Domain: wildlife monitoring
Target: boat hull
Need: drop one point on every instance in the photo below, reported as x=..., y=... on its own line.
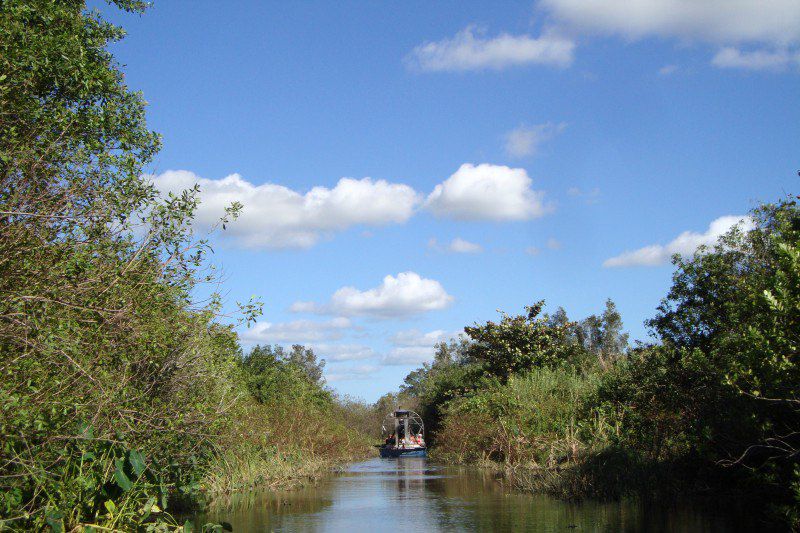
x=403, y=452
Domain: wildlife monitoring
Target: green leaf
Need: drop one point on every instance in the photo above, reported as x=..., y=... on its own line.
x=136, y=460
x=120, y=477
x=86, y=431
x=110, y=507
x=149, y=507
x=188, y=527
x=164, y=500
x=54, y=519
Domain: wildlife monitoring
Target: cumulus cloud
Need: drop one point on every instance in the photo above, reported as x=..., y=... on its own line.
x=730, y=57
x=470, y=50
x=525, y=140
x=412, y=347
x=461, y=246
x=302, y=331
x=404, y=295
x=590, y=197
x=685, y=244
x=776, y=22
x=337, y=353
x=553, y=243
x=668, y=70
x=487, y=192
x=414, y=337
x=352, y=373
x=408, y=355
x=457, y=246
x=275, y=216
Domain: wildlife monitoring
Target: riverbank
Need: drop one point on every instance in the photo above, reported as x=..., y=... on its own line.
x=247, y=468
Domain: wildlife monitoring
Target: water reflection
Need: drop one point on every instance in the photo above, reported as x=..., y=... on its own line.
x=413, y=495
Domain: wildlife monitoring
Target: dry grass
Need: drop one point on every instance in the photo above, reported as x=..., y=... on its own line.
x=280, y=446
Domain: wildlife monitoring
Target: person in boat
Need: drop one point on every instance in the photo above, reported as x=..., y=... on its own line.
x=391, y=440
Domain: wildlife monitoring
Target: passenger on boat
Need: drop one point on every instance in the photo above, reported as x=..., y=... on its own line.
x=391, y=440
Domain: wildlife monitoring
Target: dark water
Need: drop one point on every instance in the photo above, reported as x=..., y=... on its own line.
x=411, y=495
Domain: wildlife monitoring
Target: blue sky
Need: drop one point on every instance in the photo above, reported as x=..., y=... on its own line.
x=556, y=150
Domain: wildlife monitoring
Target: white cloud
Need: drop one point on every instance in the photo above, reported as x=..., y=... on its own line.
x=275, y=216
x=590, y=197
x=776, y=22
x=457, y=246
x=414, y=337
x=730, y=57
x=685, y=244
x=553, y=244
x=352, y=373
x=337, y=353
x=408, y=355
x=413, y=347
x=460, y=246
x=302, y=331
x=487, y=192
x=304, y=307
x=525, y=140
x=470, y=50
x=405, y=295
x=668, y=70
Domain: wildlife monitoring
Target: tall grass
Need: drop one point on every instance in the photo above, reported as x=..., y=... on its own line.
x=533, y=420
x=279, y=445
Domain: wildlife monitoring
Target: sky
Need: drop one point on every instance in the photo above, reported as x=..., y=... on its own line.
x=408, y=169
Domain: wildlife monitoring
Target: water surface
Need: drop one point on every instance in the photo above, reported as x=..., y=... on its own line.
x=412, y=495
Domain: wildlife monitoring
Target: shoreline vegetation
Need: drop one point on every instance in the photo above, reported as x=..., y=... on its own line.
x=708, y=410
x=126, y=397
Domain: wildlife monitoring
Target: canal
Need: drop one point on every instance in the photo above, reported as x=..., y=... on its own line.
x=412, y=495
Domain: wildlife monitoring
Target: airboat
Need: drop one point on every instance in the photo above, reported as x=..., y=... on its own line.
x=404, y=435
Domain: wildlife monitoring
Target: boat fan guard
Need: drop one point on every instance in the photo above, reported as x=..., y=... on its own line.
x=403, y=422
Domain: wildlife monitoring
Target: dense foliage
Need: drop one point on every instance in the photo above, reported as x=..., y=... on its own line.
x=274, y=376
x=715, y=401
x=119, y=395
